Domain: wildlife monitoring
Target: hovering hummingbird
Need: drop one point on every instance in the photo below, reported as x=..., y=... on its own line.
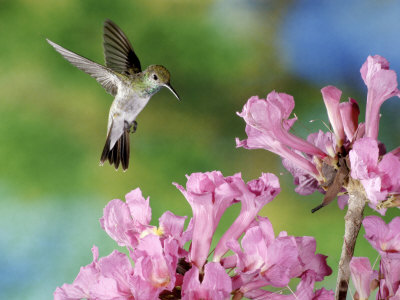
x=123, y=78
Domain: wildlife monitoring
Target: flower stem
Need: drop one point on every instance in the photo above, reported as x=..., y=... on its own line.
x=353, y=221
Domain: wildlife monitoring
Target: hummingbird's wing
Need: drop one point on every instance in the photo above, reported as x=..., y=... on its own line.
x=118, y=51
x=105, y=76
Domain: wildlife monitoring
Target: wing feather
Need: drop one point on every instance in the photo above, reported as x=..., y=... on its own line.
x=118, y=51
x=105, y=76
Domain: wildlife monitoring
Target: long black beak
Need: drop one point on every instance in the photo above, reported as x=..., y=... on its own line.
x=168, y=86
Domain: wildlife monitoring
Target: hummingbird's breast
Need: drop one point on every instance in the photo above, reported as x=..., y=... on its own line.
x=128, y=103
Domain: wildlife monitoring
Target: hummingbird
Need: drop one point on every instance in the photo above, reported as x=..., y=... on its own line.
x=123, y=78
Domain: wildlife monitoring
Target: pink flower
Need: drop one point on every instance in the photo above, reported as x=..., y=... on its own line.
x=172, y=226
x=316, y=163
x=385, y=238
x=107, y=278
x=304, y=291
x=115, y=274
x=265, y=260
x=257, y=139
x=124, y=222
x=269, y=260
x=209, y=194
x=309, y=260
x=364, y=158
x=379, y=178
x=269, y=125
x=81, y=287
x=389, y=285
x=325, y=141
x=382, y=85
x=163, y=269
x=362, y=276
x=254, y=195
x=307, y=184
x=216, y=284
x=155, y=265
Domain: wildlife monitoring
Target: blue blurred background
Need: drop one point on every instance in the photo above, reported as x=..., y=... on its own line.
x=220, y=52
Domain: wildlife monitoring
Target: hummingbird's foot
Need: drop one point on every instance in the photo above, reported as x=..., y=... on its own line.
x=134, y=126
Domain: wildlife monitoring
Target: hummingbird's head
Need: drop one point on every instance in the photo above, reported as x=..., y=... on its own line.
x=157, y=77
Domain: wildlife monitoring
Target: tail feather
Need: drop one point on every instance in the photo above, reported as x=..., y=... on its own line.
x=125, y=150
x=119, y=154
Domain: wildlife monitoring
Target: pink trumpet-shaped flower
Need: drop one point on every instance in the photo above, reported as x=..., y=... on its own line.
x=125, y=221
x=107, y=278
x=307, y=184
x=81, y=287
x=265, y=260
x=155, y=264
x=379, y=178
x=209, y=195
x=269, y=260
x=254, y=195
x=257, y=139
x=309, y=260
x=385, y=238
x=163, y=269
x=362, y=276
x=389, y=285
x=270, y=118
x=216, y=284
x=268, y=126
x=316, y=163
x=382, y=85
x=172, y=226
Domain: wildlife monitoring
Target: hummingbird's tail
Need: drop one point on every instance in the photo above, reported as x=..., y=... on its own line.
x=119, y=153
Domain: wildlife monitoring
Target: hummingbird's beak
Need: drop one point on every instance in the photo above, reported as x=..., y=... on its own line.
x=168, y=86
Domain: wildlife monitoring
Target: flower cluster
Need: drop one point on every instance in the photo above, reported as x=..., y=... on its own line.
x=385, y=238
x=164, y=268
x=323, y=162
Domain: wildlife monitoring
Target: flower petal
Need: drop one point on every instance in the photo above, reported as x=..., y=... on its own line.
x=362, y=275
x=349, y=112
x=254, y=196
x=382, y=85
x=216, y=284
x=139, y=206
x=331, y=96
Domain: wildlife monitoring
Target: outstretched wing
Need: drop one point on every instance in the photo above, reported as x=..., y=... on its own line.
x=118, y=51
x=106, y=77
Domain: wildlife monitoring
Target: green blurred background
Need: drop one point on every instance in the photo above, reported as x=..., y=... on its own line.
x=53, y=117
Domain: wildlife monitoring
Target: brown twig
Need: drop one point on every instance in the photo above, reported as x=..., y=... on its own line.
x=353, y=221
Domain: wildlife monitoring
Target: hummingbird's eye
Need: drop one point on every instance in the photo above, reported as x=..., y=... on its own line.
x=155, y=77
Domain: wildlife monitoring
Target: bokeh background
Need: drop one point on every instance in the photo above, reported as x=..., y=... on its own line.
x=53, y=116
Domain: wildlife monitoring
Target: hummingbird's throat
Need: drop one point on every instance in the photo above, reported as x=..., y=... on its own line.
x=150, y=91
